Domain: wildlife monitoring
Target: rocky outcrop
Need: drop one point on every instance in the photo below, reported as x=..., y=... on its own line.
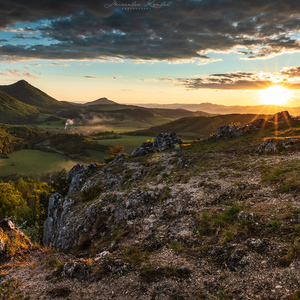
x=258, y=124
x=78, y=269
x=67, y=226
x=161, y=142
x=281, y=117
x=226, y=132
x=77, y=175
x=74, y=171
x=273, y=146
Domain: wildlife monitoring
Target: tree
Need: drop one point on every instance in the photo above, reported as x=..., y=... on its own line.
x=11, y=201
x=116, y=150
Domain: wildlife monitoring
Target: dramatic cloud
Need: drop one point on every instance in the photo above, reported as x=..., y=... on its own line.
x=288, y=77
x=151, y=30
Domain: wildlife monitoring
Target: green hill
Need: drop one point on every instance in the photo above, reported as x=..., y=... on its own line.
x=200, y=127
x=28, y=94
x=13, y=111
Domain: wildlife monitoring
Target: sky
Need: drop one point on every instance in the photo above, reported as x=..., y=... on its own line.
x=153, y=51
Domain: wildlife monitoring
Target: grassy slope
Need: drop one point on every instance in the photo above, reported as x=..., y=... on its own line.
x=34, y=162
x=14, y=111
x=200, y=127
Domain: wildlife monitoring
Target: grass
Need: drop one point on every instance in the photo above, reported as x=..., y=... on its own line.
x=8, y=290
x=200, y=127
x=210, y=222
x=134, y=256
x=14, y=243
x=33, y=163
x=286, y=174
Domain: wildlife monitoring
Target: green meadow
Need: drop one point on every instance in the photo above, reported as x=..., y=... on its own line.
x=34, y=163
x=130, y=142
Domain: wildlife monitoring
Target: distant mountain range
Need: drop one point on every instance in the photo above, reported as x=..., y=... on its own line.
x=224, y=109
x=22, y=103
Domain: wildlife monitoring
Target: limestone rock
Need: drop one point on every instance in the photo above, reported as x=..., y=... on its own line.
x=74, y=171
x=76, y=269
x=78, y=176
x=274, y=146
x=225, y=132
x=268, y=146
x=245, y=216
x=161, y=142
x=165, y=141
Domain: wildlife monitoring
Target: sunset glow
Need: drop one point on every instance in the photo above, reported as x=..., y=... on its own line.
x=276, y=94
x=161, y=52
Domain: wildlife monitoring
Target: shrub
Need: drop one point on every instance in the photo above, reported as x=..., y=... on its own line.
x=91, y=193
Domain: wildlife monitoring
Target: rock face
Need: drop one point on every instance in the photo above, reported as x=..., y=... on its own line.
x=77, y=175
x=161, y=142
x=66, y=227
x=74, y=171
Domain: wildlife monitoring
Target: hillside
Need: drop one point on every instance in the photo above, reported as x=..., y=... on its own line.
x=13, y=111
x=178, y=113
x=28, y=94
x=200, y=127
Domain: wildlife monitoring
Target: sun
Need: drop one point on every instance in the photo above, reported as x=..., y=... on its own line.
x=276, y=95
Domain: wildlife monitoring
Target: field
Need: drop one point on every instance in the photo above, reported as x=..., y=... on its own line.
x=130, y=142
x=34, y=162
